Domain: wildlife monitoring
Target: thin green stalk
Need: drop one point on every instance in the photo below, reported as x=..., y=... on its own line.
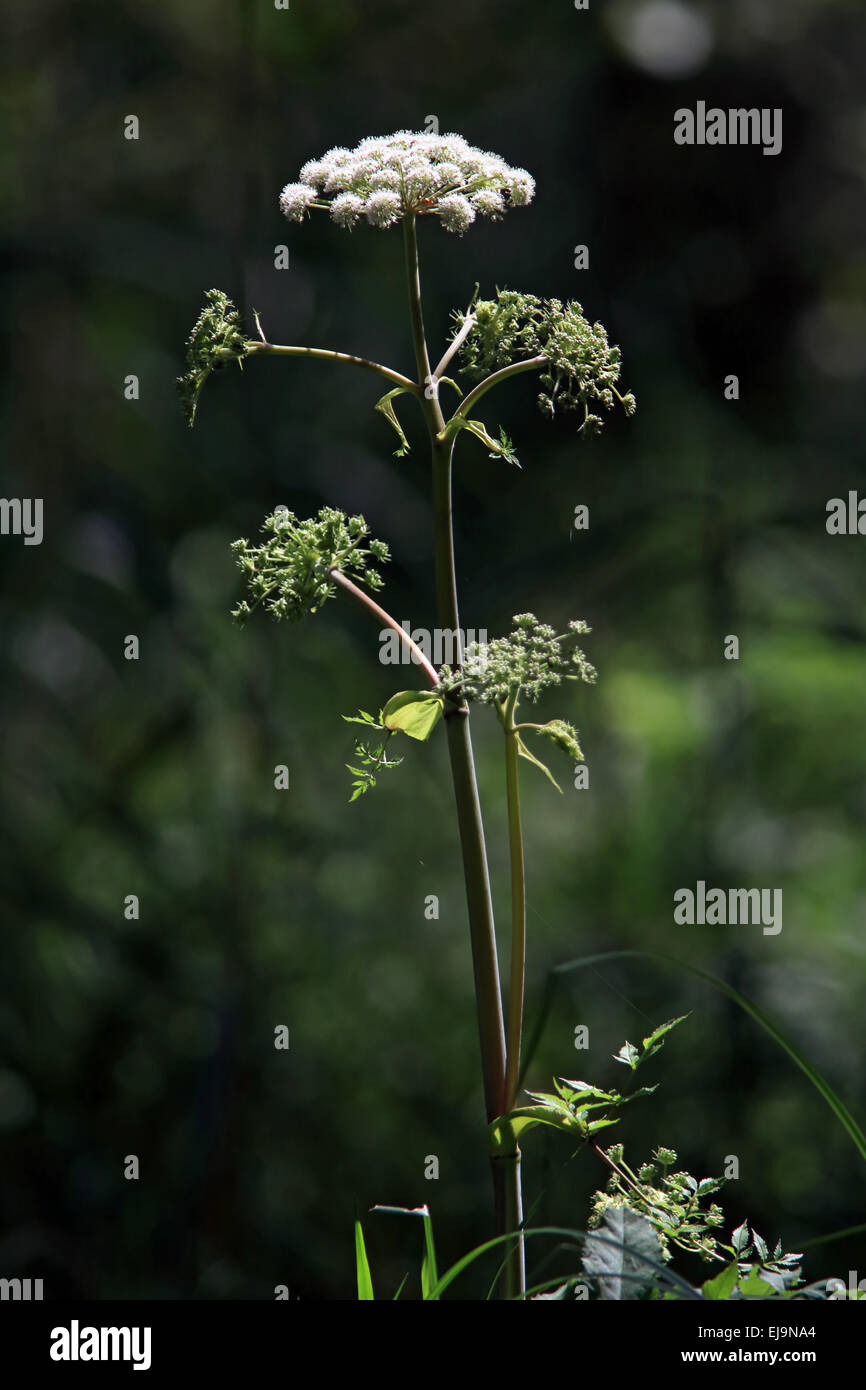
x=515, y=1267
x=488, y=995
x=518, y=905
x=253, y=347
x=529, y=364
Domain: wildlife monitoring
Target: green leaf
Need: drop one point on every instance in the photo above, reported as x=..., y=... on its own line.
x=524, y=752
x=760, y=1246
x=362, y=717
x=840, y=1110
x=686, y=1290
x=753, y=1286
x=654, y=1042
x=621, y=1255
x=400, y=1288
x=584, y=1089
x=498, y=448
x=429, y=1275
x=600, y=1124
x=362, y=1266
x=385, y=408
x=740, y=1238
x=641, y=1091
x=628, y=1055
x=413, y=712
x=724, y=1284
x=505, y=1132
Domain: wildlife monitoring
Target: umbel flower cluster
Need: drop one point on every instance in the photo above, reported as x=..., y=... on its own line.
x=386, y=178
x=582, y=367
x=532, y=658
x=290, y=572
x=217, y=337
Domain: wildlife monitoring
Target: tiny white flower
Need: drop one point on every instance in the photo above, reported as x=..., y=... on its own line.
x=295, y=199
x=346, y=209
x=449, y=175
x=314, y=172
x=385, y=178
x=488, y=201
x=521, y=188
x=383, y=208
x=455, y=212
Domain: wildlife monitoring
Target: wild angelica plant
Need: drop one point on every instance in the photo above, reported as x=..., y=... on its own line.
x=394, y=181
x=636, y=1225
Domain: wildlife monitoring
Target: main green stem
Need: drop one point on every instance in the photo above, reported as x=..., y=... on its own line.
x=518, y=905
x=488, y=996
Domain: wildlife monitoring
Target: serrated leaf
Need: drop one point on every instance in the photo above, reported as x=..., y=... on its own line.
x=740, y=1238
x=385, y=408
x=524, y=752
x=620, y=1255
x=557, y=1103
x=585, y=1089
x=362, y=717
x=653, y=1042
x=628, y=1055
x=599, y=1124
x=641, y=1091
x=760, y=1246
x=413, y=712
x=498, y=448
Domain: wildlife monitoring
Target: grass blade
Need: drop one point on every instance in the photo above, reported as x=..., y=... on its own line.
x=362, y=1266
x=429, y=1274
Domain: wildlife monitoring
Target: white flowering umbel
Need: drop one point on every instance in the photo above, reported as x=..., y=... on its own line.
x=389, y=177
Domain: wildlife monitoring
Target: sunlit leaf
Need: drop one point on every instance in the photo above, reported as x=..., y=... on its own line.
x=362, y=1266
x=413, y=712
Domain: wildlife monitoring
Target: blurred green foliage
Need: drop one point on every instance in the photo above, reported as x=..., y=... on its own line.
x=155, y=777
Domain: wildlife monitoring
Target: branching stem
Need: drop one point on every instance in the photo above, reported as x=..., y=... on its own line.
x=528, y=364
x=386, y=620
x=254, y=348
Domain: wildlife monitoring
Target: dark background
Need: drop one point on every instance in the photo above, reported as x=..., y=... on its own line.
x=707, y=517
